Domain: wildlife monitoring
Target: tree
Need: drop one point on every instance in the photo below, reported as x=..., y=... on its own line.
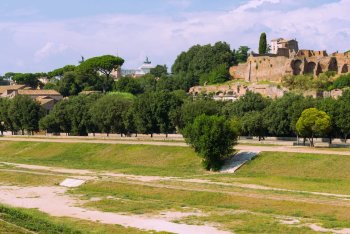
x=25, y=113
x=263, y=44
x=278, y=115
x=247, y=103
x=332, y=108
x=5, y=121
x=128, y=85
x=218, y=75
x=165, y=103
x=312, y=123
x=192, y=109
x=145, y=117
x=107, y=113
x=105, y=65
x=59, y=72
x=252, y=124
x=68, y=86
x=242, y=54
x=199, y=60
x=213, y=138
x=29, y=79
x=159, y=71
x=58, y=120
x=343, y=117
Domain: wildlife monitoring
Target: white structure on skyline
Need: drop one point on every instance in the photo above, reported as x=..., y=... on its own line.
x=144, y=69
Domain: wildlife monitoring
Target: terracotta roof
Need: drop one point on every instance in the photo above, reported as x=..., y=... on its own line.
x=3, y=88
x=40, y=92
x=43, y=100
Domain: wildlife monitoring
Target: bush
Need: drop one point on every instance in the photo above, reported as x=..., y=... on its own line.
x=213, y=138
x=342, y=82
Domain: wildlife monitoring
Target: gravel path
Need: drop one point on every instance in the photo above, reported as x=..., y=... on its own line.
x=54, y=201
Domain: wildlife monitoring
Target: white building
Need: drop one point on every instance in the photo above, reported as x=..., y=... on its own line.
x=144, y=69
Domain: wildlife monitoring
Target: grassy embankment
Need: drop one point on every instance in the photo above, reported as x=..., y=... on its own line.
x=322, y=173
x=26, y=221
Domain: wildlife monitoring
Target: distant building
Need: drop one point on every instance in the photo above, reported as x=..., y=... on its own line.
x=144, y=69
x=46, y=98
x=280, y=43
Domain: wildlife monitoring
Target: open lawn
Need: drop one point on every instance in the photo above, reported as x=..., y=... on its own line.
x=216, y=197
x=132, y=159
x=297, y=171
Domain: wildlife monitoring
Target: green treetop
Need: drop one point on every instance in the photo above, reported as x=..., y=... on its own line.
x=263, y=44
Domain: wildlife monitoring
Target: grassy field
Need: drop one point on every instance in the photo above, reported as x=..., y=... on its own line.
x=14, y=220
x=132, y=159
x=239, y=209
x=297, y=171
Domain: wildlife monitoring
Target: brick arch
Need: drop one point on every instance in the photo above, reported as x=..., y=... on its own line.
x=310, y=68
x=297, y=67
x=333, y=65
x=345, y=68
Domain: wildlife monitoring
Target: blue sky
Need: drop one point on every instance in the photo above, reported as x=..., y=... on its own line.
x=40, y=35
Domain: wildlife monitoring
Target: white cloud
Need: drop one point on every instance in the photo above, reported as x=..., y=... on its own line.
x=162, y=38
x=253, y=4
x=49, y=49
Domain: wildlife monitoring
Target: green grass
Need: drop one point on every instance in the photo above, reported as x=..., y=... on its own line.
x=176, y=199
x=20, y=220
x=12, y=229
x=28, y=179
x=297, y=171
x=133, y=159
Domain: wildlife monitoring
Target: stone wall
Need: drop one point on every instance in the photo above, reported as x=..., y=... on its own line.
x=274, y=68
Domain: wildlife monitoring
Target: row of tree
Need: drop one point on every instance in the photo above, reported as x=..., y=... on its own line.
x=169, y=112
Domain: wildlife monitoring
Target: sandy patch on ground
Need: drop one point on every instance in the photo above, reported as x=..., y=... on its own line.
x=54, y=201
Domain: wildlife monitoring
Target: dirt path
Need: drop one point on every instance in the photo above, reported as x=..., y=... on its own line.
x=54, y=201
x=292, y=149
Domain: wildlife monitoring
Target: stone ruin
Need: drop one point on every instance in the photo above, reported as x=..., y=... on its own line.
x=287, y=59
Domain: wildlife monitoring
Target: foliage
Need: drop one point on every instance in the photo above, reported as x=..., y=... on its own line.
x=281, y=115
x=312, y=123
x=59, y=72
x=199, y=60
x=24, y=114
x=107, y=113
x=213, y=138
x=298, y=82
x=252, y=124
x=129, y=85
x=242, y=54
x=159, y=71
x=343, y=118
x=247, y=103
x=342, y=82
x=104, y=65
x=68, y=85
x=194, y=108
x=50, y=85
x=218, y=75
x=308, y=82
x=29, y=79
x=263, y=44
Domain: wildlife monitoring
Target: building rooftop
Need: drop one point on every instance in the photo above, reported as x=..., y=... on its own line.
x=4, y=88
x=39, y=92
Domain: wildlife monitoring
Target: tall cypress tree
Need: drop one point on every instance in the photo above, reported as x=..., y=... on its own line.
x=262, y=44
